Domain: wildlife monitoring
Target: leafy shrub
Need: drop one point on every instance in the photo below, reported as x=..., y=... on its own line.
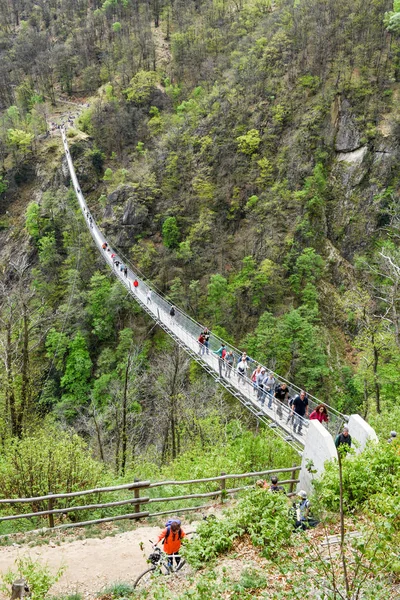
x=49, y=461
x=375, y=471
x=170, y=233
x=261, y=515
x=249, y=142
x=38, y=577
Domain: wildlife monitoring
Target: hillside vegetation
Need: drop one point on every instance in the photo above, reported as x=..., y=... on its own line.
x=244, y=155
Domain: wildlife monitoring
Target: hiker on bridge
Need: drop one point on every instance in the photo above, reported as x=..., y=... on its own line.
x=206, y=333
x=241, y=370
x=320, y=414
x=229, y=360
x=201, y=339
x=260, y=386
x=269, y=386
x=221, y=353
x=254, y=377
x=299, y=411
x=282, y=396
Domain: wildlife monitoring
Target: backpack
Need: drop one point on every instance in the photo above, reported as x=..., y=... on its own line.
x=168, y=526
x=223, y=354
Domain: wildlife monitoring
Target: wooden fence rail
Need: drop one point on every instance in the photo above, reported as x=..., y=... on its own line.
x=137, y=500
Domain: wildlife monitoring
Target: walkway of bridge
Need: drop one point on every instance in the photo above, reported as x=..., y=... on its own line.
x=185, y=331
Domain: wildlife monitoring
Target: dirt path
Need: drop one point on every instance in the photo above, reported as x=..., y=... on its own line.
x=92, y=564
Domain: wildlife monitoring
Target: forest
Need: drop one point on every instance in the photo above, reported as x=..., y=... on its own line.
x=244, y=156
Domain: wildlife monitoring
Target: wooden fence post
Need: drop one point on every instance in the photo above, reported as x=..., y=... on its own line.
x=50, y=506
x=136, y=493
x=291, y=486
x=222, y=487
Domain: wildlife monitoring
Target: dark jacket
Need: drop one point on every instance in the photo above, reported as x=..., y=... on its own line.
x=342, y=439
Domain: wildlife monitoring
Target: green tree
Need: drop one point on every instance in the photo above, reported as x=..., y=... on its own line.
x=76, y=379
x=249, y=142
x=3, y=185
x=141, y=87
x=99, y=308
x=171, y=233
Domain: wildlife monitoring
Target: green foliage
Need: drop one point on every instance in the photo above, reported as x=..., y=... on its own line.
x=141, y=87
x=47, y=251
x=97, y=157
x=249, y=143
x=85, y=121
x=78, y=367
x=171, y=233
x=261, y=515
x=59, y=461
x=300, y=354
x=38, y=576
x=3, y=184
x=19, y=139
x=393, y=25
x=118, y=590
x=366, y=475
x=108, y=174
x=33, y=221
x=99, y=306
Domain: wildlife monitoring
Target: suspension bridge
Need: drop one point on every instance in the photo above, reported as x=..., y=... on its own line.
x=185, y=332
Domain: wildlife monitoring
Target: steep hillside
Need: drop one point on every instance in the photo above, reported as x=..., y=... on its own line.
x=245, y=156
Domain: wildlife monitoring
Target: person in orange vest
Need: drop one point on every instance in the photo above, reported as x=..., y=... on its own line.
x=171, y=537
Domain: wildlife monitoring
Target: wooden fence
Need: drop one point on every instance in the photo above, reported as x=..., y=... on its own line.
x=49, y=501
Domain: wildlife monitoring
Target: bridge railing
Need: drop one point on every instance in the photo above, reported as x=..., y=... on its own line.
x=185, y=326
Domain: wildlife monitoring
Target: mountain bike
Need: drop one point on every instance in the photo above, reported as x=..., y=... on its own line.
x=161, y=564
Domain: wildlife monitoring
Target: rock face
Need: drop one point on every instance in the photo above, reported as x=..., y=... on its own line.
x=348, y=137
x=125, y=214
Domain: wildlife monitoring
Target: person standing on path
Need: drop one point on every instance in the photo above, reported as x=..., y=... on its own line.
x=171, y=537
x=135, y=285
x=148, y=297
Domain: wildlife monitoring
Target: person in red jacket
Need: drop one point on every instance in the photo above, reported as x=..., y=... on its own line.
x=172, y=536
x=320, y=413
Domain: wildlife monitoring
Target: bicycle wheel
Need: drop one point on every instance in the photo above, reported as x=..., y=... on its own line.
x=144, y=578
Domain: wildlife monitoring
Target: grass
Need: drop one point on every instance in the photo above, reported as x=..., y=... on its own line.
x=117, y=590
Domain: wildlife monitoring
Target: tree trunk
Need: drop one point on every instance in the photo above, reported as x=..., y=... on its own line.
x=24, y=371
x=124, y=436
x=376, y=381
x=342, y=529
x=10, y=396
